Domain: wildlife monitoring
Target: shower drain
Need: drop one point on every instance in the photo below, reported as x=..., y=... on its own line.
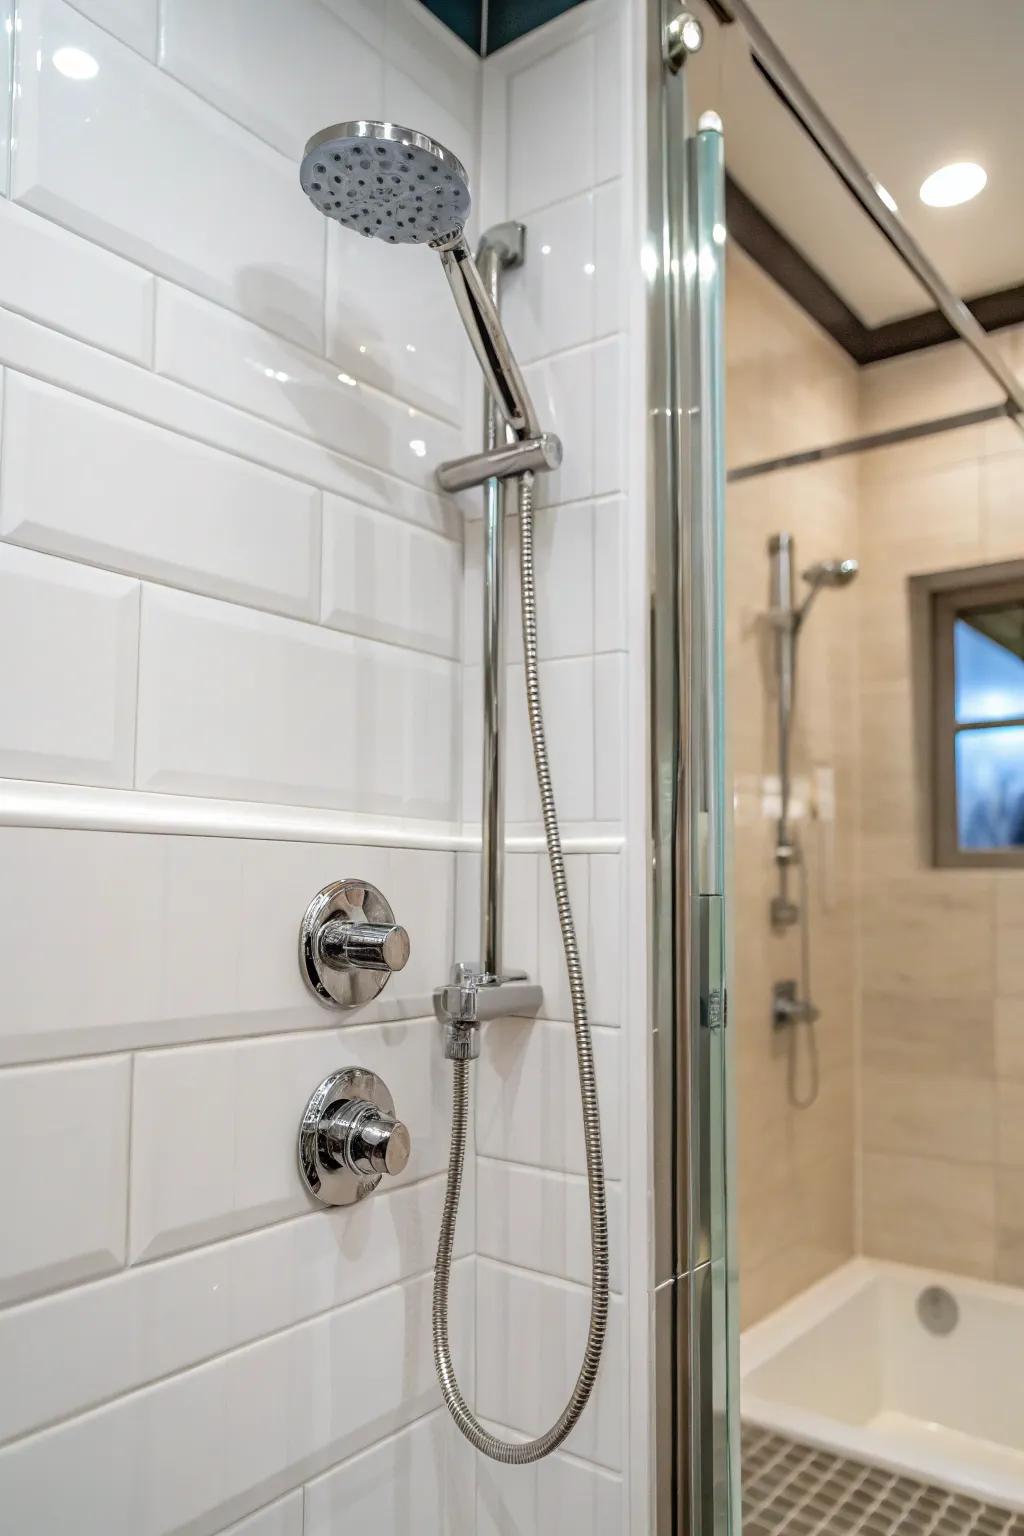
x=791, y=1489
x=937, y=1310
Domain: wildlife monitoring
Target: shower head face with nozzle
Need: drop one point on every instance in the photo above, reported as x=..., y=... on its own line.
x=831, y=573
x=386, y=182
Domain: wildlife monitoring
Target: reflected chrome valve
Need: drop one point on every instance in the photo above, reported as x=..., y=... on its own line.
x=350, y=1138
x=349, y=943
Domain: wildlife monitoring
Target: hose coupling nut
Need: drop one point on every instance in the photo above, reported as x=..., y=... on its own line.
x=461, y=1042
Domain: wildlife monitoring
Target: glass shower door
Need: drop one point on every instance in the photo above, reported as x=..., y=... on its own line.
x=694, y=1296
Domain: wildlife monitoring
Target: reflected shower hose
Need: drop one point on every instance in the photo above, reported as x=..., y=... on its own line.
x=522, y=1452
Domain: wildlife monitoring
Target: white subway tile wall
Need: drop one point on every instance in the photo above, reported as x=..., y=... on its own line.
x=226, y=573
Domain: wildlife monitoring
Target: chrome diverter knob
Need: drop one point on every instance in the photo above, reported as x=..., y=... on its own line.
x=349, y=943
x=350, y=1138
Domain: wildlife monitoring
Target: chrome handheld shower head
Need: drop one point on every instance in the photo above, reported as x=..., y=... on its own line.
x=390, y=183
x=825, y=573
x=386, y=182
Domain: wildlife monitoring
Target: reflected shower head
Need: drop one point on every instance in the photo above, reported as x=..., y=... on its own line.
x=387, y=182
x=831, y=573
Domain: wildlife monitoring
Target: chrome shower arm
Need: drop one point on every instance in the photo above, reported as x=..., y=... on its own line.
x=487, y=335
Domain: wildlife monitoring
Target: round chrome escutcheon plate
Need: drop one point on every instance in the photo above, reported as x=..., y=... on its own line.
x=354, y=901
x=326, y=1181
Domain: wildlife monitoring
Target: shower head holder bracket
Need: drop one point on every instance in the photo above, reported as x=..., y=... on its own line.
x=471, y=998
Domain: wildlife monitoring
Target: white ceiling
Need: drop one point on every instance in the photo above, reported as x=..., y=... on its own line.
x=911, y=85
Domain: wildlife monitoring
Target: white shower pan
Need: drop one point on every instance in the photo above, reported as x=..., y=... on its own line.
x=849, y=1365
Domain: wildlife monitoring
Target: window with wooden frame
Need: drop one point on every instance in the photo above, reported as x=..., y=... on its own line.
x=977, y=655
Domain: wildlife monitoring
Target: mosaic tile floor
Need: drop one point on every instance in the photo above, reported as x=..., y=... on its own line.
x=796, y=1490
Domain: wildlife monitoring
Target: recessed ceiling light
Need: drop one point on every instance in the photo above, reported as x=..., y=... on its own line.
x=953, y=184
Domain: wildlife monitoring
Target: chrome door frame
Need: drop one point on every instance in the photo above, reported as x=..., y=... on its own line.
x=693, y=1323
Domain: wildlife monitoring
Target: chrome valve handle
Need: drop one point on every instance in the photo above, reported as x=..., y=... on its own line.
x=350, y=1138
x=349, y=944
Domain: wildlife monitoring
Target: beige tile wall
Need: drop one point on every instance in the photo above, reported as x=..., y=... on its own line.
x=942, y=951
x=789, y=387
x=914, y=1149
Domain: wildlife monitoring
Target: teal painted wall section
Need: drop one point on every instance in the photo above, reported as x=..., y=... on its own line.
x=509, y=19
x=506, y=19
x=464, y=18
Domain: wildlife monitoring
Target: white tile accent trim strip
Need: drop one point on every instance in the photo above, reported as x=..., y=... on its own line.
x=25, y=803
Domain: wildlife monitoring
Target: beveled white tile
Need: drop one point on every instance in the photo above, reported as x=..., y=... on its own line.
x=60, y=360
x=251, y=706
x=611, y=46
x=527, y=1365
x=94, y=484
x=364, y=16
x=553, y=976
x=574, y=1496
x=564, y=580
x=472, y=744
x=411, y=98
x=568, y=702
x=527, y=1096
x=247, y=1426
x=519, y=930
x=117, y=158
x=67, y=282
x=467, y=904
x=551, y=127
x=210, y=349
x=472, y=592
x=604, y=938
x=540, y=1220
x=92, y=1343
x=71, y=1226
x=446, y=70
x=194, y=937
x=578, y=395
x=390, y=581
x=284, y=74
x=282, y=1518
x=550, y=302
x=394, y=1489
x=133, y=21
x=237, y=1168
x=6, y=85
x=610, y=574
x=609, y=258
x=609, y=736
x=74, y=632
x=563, y=393
x=391, y=323
x=609, y=417
x=506, y=1498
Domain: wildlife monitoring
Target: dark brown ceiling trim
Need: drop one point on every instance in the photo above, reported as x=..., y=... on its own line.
x=762, y=240
x=765, y=243
x=993, y=311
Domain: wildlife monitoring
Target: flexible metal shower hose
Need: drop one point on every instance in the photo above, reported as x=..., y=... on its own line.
x=522, y=1452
